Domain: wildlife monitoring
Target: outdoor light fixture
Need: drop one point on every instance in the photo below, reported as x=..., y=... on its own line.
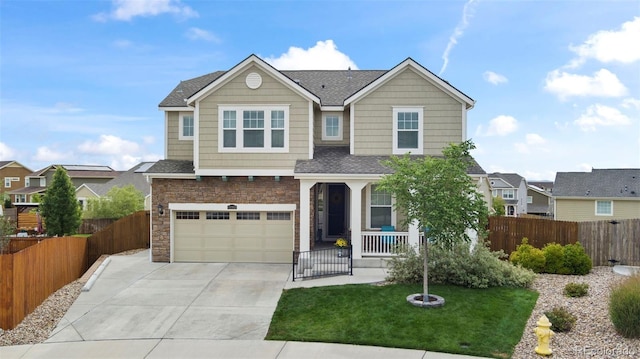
x=160, y=209
x=250, y=178
x=276, y=178
x=224, y=178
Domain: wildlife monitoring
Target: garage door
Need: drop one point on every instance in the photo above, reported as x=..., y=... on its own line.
x=219, y=236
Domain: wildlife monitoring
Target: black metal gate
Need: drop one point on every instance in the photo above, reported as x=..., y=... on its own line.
x=322, y=263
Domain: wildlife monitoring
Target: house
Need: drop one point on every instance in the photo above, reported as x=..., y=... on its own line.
x=539, y=200
x=13, y=175
x=134, y=176
x=513, y=189
x=602, y=194
x=37, y=182
x=261, y=162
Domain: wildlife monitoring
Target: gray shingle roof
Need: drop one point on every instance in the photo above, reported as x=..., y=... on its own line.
x=337, y=160
x=130, y=177
x=511, y=178
x=623, y=182
x=188, y=88
x=172, y=166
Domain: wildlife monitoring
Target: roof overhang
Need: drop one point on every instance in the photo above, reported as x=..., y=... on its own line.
x=175, y=108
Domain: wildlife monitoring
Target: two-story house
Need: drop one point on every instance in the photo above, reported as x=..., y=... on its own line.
x=602, y=194
x=261, y=162
x=513, y=189
x=540, y=198
x=134, y=176
x=13, y=175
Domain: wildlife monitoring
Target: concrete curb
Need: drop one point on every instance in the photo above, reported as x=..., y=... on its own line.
x=95, y=275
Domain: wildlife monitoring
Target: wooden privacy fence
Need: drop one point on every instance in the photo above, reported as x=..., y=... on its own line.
x=17, y=244
x=93, y=225
x=130, y=232
x=28, y=277
x=605, y=240
x=507, y=232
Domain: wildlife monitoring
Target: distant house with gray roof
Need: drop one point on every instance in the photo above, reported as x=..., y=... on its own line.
x=512, y=188
x=602, y=194
x=134, y=176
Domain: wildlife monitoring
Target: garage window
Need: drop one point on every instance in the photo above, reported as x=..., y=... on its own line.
x=187, y=215
x=218, y=215
x=278, y=216
x=249, y=216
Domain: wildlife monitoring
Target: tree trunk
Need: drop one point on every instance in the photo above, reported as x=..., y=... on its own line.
x=425, y=280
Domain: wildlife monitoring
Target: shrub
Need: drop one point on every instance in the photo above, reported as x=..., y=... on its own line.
x=576, y=289
x=624, y=307
x=554, y=258
x=477, y=268
x=561, y=319
x=576, y=261
x=528, y=256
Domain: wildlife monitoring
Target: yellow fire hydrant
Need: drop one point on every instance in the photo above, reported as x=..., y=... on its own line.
x=544, y=334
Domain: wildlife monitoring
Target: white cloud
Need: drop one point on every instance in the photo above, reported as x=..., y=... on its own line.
x=148, y=140
x=632, y=103
x=125, y=10
x=195, y=33
x=467, y=14
x=603, y=83
x=584, y=167
x=534, y=139
x=46, y=154
x=532, y=143
x=600, y=115
x=123, y=44
x=499, y=126
x=109, y=145
x=6, y=153
x=323, y=56
x=611, y=46
x=494, y=78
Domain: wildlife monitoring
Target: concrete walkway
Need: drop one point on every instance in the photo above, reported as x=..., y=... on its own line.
x=139, y=309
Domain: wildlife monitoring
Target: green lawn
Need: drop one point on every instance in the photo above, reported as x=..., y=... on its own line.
x=481, y=322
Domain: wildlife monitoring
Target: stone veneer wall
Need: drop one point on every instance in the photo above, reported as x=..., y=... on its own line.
x=236, y=190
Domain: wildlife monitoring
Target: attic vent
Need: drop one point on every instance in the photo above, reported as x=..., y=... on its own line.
x=253, y=80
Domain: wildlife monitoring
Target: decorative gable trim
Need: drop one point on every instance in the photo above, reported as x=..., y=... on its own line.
x=426, y=74
x=84, y=185
x=251, y=60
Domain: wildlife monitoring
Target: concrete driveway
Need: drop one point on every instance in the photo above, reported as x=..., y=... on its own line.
x=136, y=299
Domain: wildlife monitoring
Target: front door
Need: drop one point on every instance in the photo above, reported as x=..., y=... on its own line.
x=336, y=210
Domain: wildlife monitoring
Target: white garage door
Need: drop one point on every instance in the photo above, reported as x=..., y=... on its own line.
x=219, y=236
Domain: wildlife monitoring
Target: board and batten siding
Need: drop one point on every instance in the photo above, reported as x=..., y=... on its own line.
x=318, y=118
x=177, y=149
x=374, y=115
x=236, y=92
x=582, y=210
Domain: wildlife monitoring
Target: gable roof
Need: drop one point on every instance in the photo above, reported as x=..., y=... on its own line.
x=80, y=171
x=4, y=164
x=134, y=176
x=599, y=183
x=326, y=87
x=513, y=179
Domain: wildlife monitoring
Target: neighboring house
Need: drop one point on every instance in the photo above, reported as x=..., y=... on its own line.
x=513, y=189
x=539, y=201
x=602, y=194
x=37, y=182
x=134, y=176
x=261, y=162
x=13, y=175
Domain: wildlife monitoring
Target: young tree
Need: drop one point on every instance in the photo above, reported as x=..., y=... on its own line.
x=498, y=206
x=7, y=228
x=438, y=195
x=117, y=203
x=60, y=208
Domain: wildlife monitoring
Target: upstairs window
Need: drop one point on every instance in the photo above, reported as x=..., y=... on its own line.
x=259, y=129
x=604, y=208
x=408, y=130
x=332, y=127
x=508, y=194
x=186, y=126
x=27, y=182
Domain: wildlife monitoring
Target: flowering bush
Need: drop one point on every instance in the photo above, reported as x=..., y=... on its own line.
x=341, y=243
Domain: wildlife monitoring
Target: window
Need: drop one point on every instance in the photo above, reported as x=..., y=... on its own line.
x=186, y=126
x=494, y=193
x=43, y=182
x=529, y=199
x=604, y=208
x=21, y=198
x=380, y=208
x=248, y=216
x=511, y=211
x=253, y=129
x=278, y=216
x=8, y=180
x=332, y=127
x=187, y=215
x=508, y=194
x=26, y=181
x=218, y=215
x=407, y=130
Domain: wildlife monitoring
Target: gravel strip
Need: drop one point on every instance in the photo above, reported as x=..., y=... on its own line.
x=593, y=335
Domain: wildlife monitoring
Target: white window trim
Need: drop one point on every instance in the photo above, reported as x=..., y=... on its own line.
x=415, y=151
x=507, y=190
x=368, y=219
x=603, y=214
x=27, y=181
x=239, y=129
x=181, y=135
x=529, y=199
x=8, y=181
x=324, y=127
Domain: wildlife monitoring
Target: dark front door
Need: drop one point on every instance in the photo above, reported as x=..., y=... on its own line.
x=336, y=209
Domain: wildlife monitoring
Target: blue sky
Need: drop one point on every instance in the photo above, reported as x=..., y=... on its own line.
x=556, y=83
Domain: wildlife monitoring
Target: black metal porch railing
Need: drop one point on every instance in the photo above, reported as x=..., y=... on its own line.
x=322, y=263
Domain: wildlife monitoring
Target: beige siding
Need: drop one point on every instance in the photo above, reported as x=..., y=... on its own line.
x=318, y=117
x=373, y=115
x=272, y=92
x=581, y=210
x=85, y=193
x=177, y=149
